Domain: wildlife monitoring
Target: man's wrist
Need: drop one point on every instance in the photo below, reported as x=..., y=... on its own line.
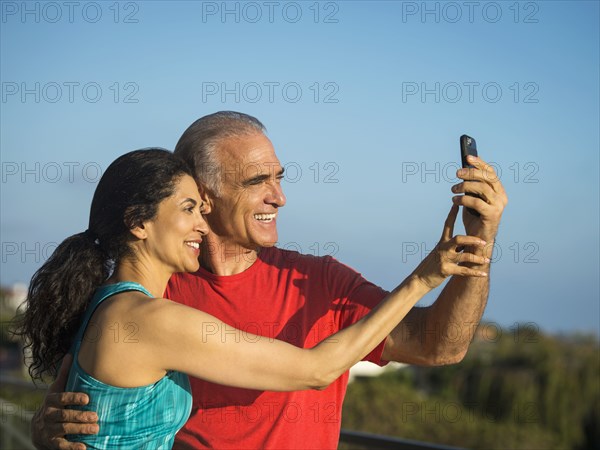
x=486, y=251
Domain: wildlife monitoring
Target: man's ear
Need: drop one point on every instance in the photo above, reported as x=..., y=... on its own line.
x=206, y=198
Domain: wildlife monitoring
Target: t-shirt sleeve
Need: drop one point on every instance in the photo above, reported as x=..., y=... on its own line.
x=173, y=288
x=355, y=297
x=180, y=289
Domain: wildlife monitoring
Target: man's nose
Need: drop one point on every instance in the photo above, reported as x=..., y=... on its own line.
x=202, y=226
x=276, y=196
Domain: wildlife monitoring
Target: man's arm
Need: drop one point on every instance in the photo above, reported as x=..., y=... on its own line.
x=52, y=422
x=441, y=333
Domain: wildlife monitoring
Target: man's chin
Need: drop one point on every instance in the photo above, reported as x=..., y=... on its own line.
x=268, y=241
x=264, y=236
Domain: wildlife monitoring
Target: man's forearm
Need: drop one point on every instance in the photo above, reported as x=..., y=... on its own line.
x=460, y=306
x=455, y=315
x=441, y=333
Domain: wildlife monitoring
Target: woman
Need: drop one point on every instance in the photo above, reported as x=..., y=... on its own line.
x=131, y=347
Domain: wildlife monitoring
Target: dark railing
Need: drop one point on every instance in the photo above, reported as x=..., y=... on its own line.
x=15, y=429
x=379, y=442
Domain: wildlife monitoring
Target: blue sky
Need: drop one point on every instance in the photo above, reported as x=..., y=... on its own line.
x=364, y=102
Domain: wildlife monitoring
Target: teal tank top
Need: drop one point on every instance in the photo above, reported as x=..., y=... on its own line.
x=145, y=417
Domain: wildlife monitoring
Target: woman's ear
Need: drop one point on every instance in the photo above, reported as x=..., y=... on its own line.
x=139, y=231
x=135, y=227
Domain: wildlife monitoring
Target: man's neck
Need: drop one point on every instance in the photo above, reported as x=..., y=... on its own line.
x=225, y=259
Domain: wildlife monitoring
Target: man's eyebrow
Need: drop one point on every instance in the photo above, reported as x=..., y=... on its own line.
x=256, y=179
x=263, y=177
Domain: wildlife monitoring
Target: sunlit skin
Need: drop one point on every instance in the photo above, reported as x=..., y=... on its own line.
x=165, y=244
x=483, y=181
x=251, y=186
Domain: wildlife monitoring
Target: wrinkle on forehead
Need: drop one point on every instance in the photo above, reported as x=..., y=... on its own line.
x=248, y=156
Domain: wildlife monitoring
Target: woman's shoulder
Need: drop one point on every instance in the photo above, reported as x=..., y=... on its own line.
x=132, y=304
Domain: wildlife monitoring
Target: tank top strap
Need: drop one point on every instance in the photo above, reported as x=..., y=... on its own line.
x=101, y=294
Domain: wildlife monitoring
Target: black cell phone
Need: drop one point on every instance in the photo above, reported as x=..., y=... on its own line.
x=468, y=146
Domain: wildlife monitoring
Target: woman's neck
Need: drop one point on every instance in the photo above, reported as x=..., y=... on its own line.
x=154, y=281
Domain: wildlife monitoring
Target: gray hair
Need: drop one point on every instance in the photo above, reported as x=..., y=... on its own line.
x=198, y=144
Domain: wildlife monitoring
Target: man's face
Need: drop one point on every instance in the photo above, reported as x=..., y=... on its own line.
x=245, y=213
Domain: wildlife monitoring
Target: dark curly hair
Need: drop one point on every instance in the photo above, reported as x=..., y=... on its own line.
x=127, y=195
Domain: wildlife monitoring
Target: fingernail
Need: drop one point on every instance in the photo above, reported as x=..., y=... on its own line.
x=471, y=158
x=487, y=260
x=483, y=274
x=461, y=172
x=482, y=242
x=455, y=198
x=454, y=188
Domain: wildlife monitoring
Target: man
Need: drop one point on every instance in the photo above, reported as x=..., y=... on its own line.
x=255, y=287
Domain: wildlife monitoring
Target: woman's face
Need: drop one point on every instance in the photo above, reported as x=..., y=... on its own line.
x=174, y=235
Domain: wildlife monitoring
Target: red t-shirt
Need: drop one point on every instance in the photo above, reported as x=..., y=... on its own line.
x=300, y=299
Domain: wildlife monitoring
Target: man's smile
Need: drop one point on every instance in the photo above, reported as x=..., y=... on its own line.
x=266, y=218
